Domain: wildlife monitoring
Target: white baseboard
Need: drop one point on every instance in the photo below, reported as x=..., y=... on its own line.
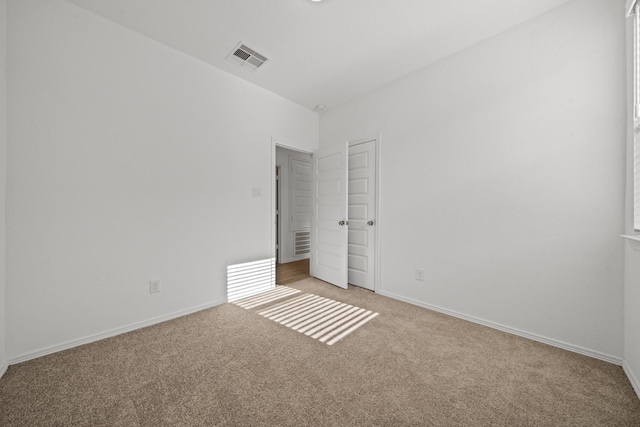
x=632, y=378
x=299, y=258
x=110, y=333
x=3, y=367
x=560, y=344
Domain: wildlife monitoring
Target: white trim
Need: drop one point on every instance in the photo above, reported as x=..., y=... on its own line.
x=294, y=259
x=632, y=378
x=550, y=341
x=3, y=368
x=111, y=333
x=376, y=243
x=634, y=241
x=278, y=207
x=630, y=5
x=631, y=237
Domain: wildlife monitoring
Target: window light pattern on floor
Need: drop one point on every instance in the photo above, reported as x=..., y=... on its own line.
x=317, y=317
x=266, y=297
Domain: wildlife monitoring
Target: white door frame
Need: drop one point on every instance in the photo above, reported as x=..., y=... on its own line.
x=278, y=222
x=376, y=243
x=275, y=142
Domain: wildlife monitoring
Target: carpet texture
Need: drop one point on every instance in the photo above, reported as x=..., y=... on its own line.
x=317, y=317
x=229, y=366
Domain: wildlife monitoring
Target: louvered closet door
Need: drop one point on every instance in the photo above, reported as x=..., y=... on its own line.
x=329, y=239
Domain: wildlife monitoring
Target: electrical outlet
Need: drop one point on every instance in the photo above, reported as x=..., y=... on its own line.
x=154, y=286
x=419, y=274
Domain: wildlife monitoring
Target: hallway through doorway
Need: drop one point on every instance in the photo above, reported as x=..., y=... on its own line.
x=292, y=271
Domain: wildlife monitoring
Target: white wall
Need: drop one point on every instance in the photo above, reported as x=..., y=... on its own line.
x=127, y=161
x=503, y=176
x=286, y=235
x=632, y=249
x=3, y=176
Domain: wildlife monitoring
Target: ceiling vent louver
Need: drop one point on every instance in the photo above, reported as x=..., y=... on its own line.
x=246, y=57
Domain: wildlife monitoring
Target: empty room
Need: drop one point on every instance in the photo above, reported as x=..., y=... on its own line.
x=319, y=212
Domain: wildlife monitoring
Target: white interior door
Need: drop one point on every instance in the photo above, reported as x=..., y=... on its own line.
x=362, y=208
x=329, y=238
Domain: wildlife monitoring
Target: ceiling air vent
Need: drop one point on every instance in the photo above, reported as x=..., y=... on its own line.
x=246, y=57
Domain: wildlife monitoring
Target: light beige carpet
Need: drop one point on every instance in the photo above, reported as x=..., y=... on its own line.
x=231, y=366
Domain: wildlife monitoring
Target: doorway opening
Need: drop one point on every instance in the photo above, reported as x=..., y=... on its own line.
x=292, y=214
x=345, y=224
x=343, y=237
x=292, y=271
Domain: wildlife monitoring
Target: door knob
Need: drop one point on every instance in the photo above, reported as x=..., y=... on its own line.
x=370, y=222
x=341, y=223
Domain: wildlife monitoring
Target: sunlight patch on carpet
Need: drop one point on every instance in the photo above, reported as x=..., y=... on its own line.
x=266, y=297
x=318, y=317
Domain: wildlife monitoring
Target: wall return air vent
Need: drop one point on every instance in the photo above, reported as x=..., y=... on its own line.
x=246, y=57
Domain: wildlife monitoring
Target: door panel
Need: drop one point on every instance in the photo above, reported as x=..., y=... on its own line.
x=300, y=194
x=362, y=198
x=329, y=239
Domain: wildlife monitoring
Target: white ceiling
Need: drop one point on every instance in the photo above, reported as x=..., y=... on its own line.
x=321, y=53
